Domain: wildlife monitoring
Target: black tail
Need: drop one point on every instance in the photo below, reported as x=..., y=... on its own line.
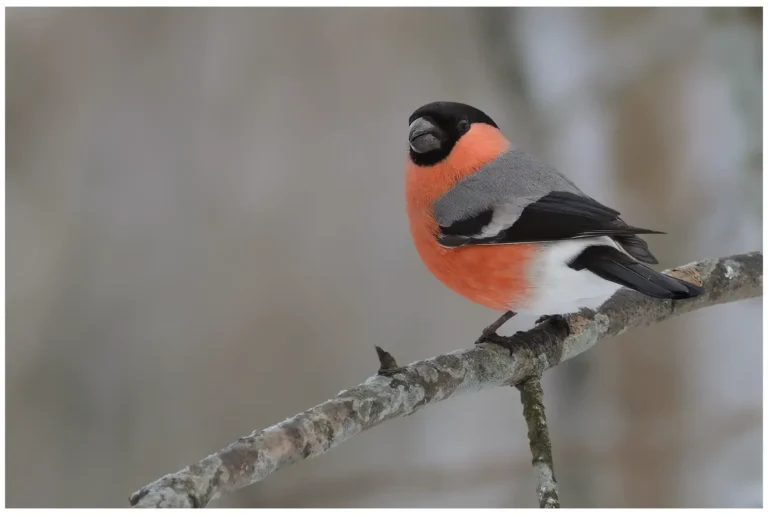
x=637, y=248
x=615, y=266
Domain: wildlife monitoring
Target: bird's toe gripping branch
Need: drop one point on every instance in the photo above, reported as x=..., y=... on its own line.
x=557, y=323
x=489, y=333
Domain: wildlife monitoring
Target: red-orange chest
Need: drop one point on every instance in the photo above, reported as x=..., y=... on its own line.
x=494, y=276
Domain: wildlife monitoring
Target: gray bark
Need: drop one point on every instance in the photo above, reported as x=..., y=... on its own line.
x=532, y=397
x=383, y=397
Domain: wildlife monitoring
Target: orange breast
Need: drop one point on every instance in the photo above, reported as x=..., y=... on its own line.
x=493, y=275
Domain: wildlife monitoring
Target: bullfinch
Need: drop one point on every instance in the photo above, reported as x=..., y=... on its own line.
x=511, y=233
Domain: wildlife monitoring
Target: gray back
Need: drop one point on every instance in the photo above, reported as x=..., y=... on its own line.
x=513, y=181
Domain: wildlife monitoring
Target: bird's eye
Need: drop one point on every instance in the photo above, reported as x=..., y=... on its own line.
x=463, y=125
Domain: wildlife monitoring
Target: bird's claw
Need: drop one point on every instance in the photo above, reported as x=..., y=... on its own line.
x=490, y=331
x=486, y=336
x=504, y=341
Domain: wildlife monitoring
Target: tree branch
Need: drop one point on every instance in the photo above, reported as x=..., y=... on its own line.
x=380, y=398
x=532, y=397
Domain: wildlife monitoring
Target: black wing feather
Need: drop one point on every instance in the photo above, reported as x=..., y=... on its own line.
x=559, y=215
x=612, y=265
x=637, y=248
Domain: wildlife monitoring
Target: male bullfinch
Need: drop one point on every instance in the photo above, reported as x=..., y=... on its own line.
x=510, y=233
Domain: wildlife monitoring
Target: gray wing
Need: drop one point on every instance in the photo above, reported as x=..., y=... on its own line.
x=516, y=199
x=507, y=185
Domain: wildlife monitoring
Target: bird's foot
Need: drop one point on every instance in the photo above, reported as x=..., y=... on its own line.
x=507, y=342
x=490, y=331
x=558, y=321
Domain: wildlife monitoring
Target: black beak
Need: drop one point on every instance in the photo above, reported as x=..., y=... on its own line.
x=424, y=136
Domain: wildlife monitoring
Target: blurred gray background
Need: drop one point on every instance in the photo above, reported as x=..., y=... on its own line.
x=207, y=235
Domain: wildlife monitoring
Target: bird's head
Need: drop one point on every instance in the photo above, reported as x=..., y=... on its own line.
x=440, y=129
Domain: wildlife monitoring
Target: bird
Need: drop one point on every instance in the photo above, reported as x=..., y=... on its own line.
x=506, y=231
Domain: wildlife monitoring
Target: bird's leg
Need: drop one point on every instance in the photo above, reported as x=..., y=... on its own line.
x=558, y=323
x=508, y=342
x=489, y=333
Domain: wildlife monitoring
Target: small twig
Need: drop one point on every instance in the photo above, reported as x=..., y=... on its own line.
x=387, y=362
x=531, y=395
x=491, y=329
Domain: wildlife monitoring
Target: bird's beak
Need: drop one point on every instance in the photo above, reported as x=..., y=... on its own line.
x=424, y=136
